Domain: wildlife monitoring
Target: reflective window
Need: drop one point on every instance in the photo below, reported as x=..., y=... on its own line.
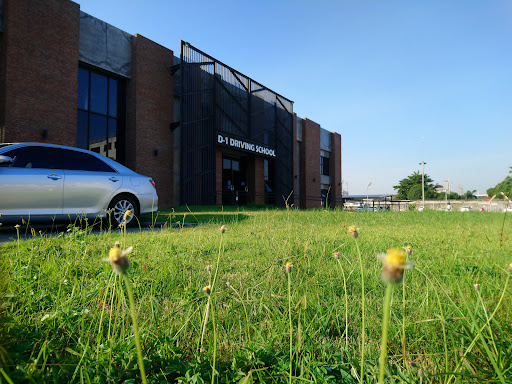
x=82, y=129
x=100, y=124
x=98, y=134
x=324, y=166
x=79, y=161
x=35, y=157
x=99, y=92
x=112, y=97
x=112, y=138
x=83, y=89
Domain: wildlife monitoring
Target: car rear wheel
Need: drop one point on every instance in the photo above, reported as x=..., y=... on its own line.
x=119, y=206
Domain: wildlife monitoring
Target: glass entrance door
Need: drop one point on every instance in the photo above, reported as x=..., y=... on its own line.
x=234, y=181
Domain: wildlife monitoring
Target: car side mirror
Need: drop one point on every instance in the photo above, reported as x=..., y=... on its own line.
x=5, y=160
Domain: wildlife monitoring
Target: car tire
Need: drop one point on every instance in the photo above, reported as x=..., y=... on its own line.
x=118, y=206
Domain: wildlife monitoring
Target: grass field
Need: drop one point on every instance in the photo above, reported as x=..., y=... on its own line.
x=66, y=314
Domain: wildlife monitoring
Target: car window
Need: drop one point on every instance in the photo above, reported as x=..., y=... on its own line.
x=35, y=157
x=80, y=161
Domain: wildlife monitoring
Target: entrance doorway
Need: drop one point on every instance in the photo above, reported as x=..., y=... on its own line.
x=234, y=181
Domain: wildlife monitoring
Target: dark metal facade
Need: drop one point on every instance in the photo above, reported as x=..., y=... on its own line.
x=216, y=99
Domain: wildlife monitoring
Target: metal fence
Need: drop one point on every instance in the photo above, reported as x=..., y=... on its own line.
x=216, y=99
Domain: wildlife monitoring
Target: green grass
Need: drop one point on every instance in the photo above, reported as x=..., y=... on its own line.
x=66, y=316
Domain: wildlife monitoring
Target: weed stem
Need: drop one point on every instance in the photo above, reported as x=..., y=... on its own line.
x=384, y=340
x=135, y=327
x=362, y=310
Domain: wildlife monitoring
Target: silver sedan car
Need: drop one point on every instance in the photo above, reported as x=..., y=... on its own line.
x=40, y=182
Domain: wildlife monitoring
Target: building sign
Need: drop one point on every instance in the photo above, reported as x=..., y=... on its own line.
x=245, y=145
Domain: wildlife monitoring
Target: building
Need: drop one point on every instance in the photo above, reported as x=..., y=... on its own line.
x=205, y=132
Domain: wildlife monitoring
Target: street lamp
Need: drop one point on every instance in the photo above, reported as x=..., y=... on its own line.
x=367, y=189
x=423, y=172
x=448, y=188
x=423, y=181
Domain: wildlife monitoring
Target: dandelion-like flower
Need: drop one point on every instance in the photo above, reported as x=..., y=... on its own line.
x=127, y=215
x=118, y=259
x=288, y=267
x=17, y=226
x=207, y=290
x=395, y=262
x=476, y=286
x=510, y=267
x=336, y=255
x=208, y=267
x=408, y=249
x=353, y=231
x=223, y=229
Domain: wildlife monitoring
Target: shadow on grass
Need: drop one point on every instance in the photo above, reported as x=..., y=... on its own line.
x=203, y=214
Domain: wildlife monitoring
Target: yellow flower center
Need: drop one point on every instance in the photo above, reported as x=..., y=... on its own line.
x=352, y=228
x=395, y=257
x=114, y=254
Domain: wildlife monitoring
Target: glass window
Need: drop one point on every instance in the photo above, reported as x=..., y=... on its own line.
x=98, y=93
x=235, y=165
x=112, y=97
x=83, y=89
x=112, y=138
x=99, y=126
x=82, y=132
x=98, y=134
x=226, y=164
x=35, y=157
x=324, y=166
x=79, y=161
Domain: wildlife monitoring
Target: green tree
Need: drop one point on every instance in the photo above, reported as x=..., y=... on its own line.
x=451, y=196
x=410, y=188
x=469, y=195
x=505, y=186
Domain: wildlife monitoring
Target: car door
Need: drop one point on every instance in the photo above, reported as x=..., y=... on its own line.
x=90, y=183
x=33, y=183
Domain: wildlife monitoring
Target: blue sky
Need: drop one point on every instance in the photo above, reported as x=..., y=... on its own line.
x=383, y=74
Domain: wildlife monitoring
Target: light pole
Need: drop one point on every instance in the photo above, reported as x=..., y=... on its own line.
x=423, y=172
x=448, y=188
x=367, y=189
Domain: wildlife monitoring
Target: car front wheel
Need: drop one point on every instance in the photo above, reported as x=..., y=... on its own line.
x=119, y=206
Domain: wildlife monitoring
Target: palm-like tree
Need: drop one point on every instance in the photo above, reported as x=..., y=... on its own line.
x=470, y=194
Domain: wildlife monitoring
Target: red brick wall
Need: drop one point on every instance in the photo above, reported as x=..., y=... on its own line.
x=335, y=169
x=310, y=165
x=258, y=184
x=39, y=71
x=150, y=110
